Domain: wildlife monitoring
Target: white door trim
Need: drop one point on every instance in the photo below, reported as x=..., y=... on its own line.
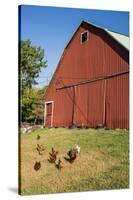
x=45, y=112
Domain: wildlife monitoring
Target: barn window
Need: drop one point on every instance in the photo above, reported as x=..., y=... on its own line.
x=84, y=37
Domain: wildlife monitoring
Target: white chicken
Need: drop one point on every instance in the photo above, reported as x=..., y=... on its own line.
x=77, y=148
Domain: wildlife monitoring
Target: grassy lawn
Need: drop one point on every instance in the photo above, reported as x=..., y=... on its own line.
x=102, y=164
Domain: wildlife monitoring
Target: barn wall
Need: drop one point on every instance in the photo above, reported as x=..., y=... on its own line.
x=117, y=102
x=63, y=108
x=101, y=102
x=100, y=56
x=92, y=59
x=89, y=104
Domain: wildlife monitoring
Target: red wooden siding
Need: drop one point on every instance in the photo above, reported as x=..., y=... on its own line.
x=89, y=104
x=63, y=107
x=104, y=101
x=117, y=102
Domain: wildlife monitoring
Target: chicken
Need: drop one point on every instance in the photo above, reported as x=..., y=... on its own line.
x=59, y=164
x=40, y=149
x=53, y=156
x=77, y=148
x=72, y=153
x=37, y=165
x=38, y=137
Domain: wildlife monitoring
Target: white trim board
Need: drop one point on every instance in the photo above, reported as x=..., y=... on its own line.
x=45, y=112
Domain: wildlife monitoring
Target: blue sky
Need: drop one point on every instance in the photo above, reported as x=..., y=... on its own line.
x=52, y=27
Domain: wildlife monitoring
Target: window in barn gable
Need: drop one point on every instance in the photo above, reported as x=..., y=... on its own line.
x=84, y=37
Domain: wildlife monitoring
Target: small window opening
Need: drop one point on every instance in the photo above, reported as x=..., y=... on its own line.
x=84, y=37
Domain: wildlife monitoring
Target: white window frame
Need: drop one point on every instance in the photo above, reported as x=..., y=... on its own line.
x=81, y=36
x=45, y=112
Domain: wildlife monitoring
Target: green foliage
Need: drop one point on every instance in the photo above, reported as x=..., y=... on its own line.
x=32, y=105
x=31, y=63
x=38, y=110
x=27, y=101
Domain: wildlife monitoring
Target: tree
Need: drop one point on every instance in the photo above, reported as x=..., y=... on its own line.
x=28, y=99
x=31, y=63
x=38, y=106
x=32, y=105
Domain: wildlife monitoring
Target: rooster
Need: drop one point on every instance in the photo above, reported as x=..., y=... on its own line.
x=72, y=153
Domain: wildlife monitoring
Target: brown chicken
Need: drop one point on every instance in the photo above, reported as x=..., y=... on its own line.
x=53, y=156
x=40, y=149
x=38, y=137
x=37, y=166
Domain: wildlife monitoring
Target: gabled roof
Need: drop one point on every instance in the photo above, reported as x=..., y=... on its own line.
x=121, y=38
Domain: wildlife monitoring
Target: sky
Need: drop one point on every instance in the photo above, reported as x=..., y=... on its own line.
x=52, y=28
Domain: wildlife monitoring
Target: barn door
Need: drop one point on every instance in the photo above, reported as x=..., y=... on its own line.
x=48, y=120
x=89, y=107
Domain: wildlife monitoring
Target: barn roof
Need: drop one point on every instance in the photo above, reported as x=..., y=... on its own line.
x=121, y=38
x=124, y=40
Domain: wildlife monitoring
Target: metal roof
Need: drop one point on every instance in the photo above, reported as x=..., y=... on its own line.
x=122, y=39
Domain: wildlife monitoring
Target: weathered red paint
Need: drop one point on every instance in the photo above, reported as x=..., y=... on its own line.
x=101, y=102
x=117, y=102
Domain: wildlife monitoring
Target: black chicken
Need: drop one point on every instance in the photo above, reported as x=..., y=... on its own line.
x=72, y=153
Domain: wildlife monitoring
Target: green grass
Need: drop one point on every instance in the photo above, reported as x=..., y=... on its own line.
x=102, y=164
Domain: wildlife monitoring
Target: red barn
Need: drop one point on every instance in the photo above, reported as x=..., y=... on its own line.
x=90, y=86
